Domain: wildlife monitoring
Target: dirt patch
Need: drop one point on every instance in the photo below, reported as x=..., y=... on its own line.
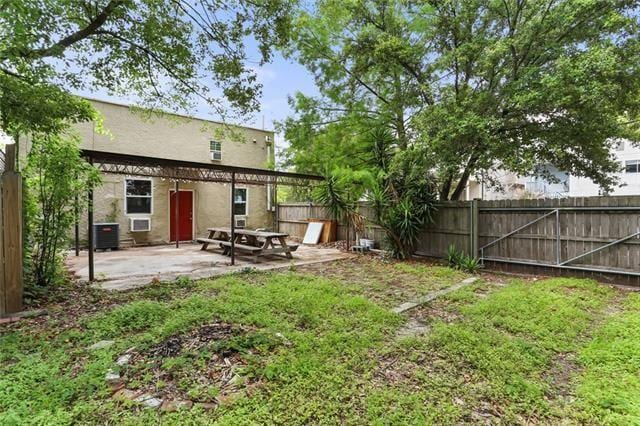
x=200, y=337
x=564, y=367
x=411, y=328
x=205, y=365
x=386, y=281
x=170, y=347
x=437, y=311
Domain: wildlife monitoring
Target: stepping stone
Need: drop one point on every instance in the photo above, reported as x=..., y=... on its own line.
x=413, y=327
x=434, y=295
x=123, y=360
x=404, y=307
x=101, y=345
x=149, y=401
x=171, y=405
x=112, y=377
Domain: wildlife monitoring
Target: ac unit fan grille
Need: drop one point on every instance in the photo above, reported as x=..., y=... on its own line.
x=139, y=225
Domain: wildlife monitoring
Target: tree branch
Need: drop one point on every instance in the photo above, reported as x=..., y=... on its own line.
x=156, y=58
x=91, y=29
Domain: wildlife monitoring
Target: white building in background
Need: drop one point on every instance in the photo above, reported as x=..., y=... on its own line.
x=628, y=155
x=520, y=187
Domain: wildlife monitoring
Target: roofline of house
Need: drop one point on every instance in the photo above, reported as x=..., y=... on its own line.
x=122, y=104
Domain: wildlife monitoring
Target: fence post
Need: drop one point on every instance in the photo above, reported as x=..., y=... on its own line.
x=11, y=281
x=276, y=205
x=3, y=287
x=473, y=231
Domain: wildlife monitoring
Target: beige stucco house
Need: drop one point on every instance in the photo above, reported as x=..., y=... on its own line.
x=123, y=199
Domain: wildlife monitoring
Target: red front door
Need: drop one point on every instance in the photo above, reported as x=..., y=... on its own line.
x=185, y=215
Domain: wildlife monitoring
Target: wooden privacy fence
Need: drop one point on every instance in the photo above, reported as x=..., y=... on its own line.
x=292, y=219
x=591, y=236
x=10, y=234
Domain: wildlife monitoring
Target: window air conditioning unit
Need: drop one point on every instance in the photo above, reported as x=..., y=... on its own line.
x=241, y=222
x=267, y=139
x=140, y=224
x=216, y=155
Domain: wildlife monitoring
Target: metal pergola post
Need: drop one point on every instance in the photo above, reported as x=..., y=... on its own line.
x=76, y=226
x=90, y=230
x=276, y=208
x=233, y=217
x=176, y=221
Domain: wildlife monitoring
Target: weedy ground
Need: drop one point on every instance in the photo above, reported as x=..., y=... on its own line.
x=321, y=345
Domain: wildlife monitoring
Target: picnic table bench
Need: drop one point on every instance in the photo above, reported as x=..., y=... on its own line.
x=253, y=243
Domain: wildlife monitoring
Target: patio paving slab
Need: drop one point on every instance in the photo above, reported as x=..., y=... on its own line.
x=135, y=267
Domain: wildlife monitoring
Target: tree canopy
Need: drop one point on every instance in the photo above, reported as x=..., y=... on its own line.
x=169, y=53
x=476, y=85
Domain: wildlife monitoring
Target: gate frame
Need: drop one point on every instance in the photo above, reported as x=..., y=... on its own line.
x=559, y=264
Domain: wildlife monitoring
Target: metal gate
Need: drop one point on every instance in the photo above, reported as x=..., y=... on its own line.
x=560, y=263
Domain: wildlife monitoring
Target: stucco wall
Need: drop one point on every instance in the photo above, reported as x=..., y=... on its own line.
x=176, y=138
x=211, y=201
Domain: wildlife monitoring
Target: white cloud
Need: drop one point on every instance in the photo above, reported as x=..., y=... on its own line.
x=264, y=74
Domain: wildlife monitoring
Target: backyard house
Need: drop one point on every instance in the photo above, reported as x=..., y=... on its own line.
x=144, y=207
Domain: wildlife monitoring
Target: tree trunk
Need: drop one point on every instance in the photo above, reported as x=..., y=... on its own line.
x=446, y=187
x=462, y=184
x=399, y=113
x=464, y=179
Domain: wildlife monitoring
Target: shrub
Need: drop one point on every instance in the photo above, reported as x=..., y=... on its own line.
x=457, y=259
x=404, y=200
x=56, y=183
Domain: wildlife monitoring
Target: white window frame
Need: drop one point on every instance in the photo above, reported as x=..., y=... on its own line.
x=215, y=151
x=137, y=196
x=637, y=164
x=246, y=203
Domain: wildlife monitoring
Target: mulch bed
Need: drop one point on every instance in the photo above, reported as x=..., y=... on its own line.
x=218, y=370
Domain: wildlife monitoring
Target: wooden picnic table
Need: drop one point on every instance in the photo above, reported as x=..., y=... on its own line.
x=256, y=243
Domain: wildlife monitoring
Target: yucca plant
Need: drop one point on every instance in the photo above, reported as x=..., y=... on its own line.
x=404, y=200
x=458, y=260
x=333, y=193
x=470, y=264
x=453, y=256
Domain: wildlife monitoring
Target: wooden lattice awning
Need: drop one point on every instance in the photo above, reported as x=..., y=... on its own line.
x=136, y=165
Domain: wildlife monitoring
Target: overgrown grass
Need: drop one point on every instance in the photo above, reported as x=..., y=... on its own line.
x=325, y=351
x=609, y=388
x=498, y=354
x=329, y=329
x=388, y=283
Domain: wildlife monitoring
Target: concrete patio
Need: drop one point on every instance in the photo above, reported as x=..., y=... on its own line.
x=134, y=267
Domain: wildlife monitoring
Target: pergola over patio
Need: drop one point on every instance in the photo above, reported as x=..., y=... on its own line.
x=182, y=171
